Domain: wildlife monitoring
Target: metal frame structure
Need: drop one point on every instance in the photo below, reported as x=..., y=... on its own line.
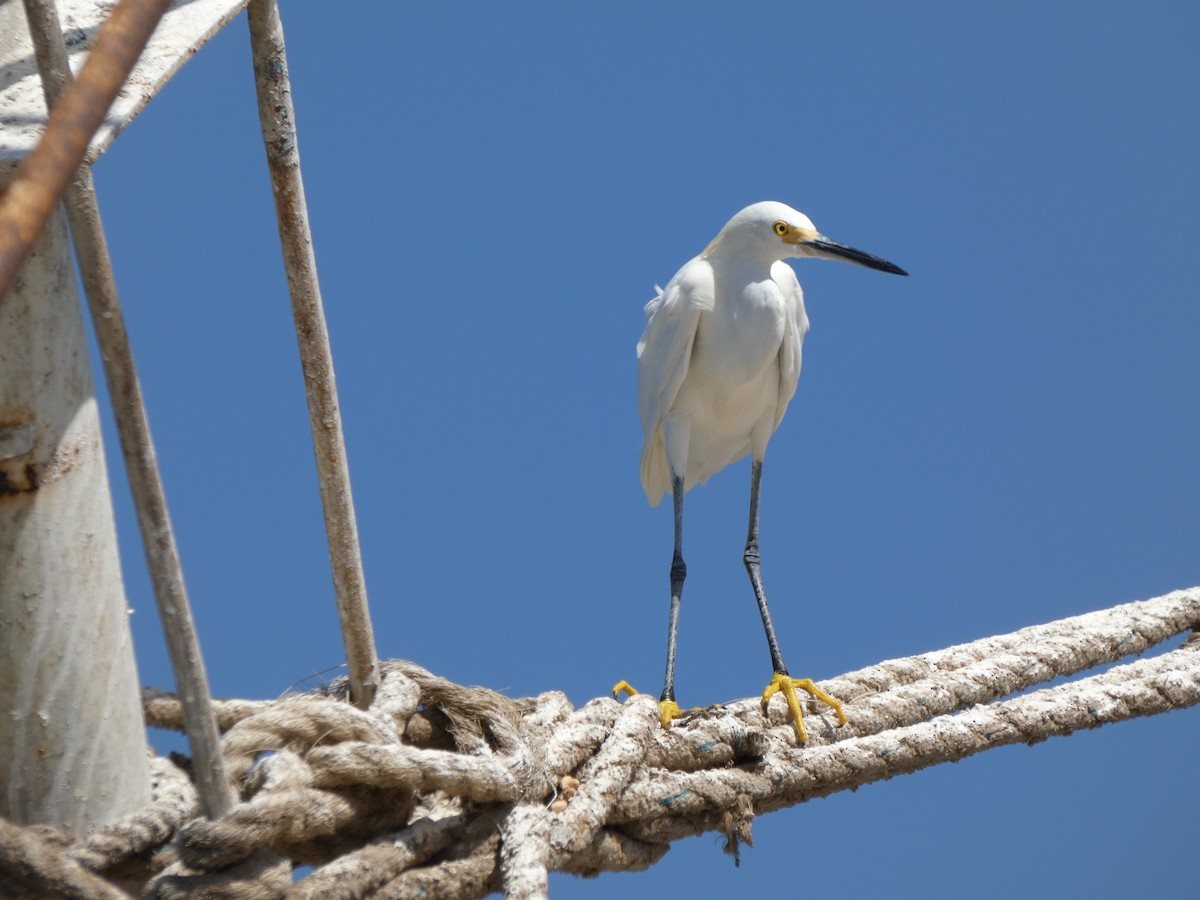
x=85, y=114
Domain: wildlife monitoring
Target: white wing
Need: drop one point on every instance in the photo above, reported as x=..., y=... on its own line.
x=664, y=353
x=793, y=336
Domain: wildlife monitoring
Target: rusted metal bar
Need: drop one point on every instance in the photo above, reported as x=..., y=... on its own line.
x=133, y=428
x=278, y=119
x=30, y=198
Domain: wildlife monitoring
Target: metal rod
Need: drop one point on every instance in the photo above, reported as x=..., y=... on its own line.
x=43, y=176
x=133, y=428
x=278, y=119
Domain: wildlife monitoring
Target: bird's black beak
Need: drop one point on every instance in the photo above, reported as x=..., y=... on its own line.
x=823, y=247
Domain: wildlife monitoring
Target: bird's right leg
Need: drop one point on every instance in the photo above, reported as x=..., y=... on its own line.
x=677, y=434
x=668, y=708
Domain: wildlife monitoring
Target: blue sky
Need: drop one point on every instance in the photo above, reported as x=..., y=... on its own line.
x=1004, y=438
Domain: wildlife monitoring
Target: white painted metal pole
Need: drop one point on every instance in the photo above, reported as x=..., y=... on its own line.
x=72, y=743
x=134, y=431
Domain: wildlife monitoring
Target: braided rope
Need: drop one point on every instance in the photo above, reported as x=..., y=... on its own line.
x=445, y=790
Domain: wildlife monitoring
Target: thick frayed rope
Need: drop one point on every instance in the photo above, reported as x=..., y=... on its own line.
x=33, y=864
x=451, y=791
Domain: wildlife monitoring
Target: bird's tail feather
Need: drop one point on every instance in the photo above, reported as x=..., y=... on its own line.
x=656, y=480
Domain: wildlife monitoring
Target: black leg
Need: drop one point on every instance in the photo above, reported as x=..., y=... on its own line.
x=752, y=561
x=781, y=682
x=667, y=707
x=678, y=574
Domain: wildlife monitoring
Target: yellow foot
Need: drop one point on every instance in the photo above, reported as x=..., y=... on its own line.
x=787, y=686
x=667, y=709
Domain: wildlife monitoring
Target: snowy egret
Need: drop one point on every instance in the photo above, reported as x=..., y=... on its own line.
x=718, y=364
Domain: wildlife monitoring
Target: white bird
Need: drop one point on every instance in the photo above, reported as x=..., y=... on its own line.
x=718, y=364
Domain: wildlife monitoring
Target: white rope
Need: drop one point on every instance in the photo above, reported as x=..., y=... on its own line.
x=452, y=791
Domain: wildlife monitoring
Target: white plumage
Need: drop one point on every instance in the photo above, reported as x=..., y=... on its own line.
x=719, y=360
x=718, y=365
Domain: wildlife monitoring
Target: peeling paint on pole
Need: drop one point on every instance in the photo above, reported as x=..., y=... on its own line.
x=186, y=27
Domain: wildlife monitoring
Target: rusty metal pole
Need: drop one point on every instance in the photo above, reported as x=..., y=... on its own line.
x=278, y=119
x=33, y=193
x=134, y=432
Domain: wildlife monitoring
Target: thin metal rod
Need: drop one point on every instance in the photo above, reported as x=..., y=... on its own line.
x=26, y=205
x=278, y=119
x=133, y=428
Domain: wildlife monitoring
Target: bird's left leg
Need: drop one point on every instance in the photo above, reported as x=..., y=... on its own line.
x=781, y=681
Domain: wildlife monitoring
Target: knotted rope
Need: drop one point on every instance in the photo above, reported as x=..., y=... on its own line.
x=451, y=791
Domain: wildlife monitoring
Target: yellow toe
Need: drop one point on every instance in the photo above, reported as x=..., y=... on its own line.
x=787, y=685
x=667, y=709
x=623, y=687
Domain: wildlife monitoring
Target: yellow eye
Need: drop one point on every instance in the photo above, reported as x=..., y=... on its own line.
x=781, y=228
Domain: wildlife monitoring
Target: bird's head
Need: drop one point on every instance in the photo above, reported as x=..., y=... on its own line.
x=771, y=231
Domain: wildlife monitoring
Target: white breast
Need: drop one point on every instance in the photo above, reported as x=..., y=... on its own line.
x=732, y=386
